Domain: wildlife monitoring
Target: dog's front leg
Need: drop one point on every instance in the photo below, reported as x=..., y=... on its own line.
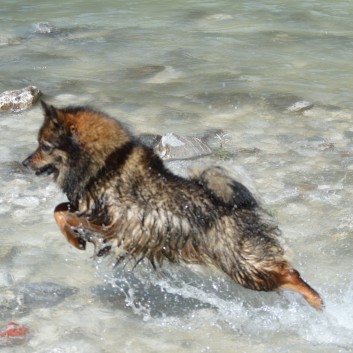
x=68, y=221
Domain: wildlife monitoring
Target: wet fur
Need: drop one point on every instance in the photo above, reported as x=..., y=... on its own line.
x=123, y=199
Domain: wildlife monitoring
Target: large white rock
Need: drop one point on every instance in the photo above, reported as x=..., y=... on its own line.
x=19, y=99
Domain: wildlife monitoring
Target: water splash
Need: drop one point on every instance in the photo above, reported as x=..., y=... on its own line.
x=182, y=293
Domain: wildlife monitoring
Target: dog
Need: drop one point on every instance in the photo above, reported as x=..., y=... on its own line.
x=125, y=201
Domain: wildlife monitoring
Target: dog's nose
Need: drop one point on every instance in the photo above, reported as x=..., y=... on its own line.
x=25, y=163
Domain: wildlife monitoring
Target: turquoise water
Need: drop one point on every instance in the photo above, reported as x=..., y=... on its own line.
x=303, y=48
x=185, y=67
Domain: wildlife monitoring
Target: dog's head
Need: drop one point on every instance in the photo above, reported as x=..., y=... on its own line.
x=73, y=144
x=51, y=156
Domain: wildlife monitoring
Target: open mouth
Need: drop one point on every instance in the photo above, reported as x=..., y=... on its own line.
x=46, y=170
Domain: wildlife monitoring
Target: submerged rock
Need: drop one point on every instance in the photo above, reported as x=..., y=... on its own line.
x=10, y=40
x=44, y=294
x=143, y=72
x=222, y=101
x=150, y=140
x=154, y=302
x=173, y=146
x=19, y=99
x=20, y=299
x=219, y=17
x=288, y=102
x=10, y=308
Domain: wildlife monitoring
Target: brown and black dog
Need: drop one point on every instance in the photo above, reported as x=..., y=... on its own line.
x=123, y=200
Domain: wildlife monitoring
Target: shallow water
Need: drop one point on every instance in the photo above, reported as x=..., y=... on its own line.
x=185, y=67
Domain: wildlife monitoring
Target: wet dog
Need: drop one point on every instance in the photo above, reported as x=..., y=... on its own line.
x=123, y=200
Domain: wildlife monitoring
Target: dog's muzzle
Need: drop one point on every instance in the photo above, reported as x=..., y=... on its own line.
x=46, y=169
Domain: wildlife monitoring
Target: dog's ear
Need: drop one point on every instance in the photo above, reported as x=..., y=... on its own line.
x=50, y=112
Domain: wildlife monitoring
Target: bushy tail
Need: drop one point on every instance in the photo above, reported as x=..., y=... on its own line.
x=224, y=189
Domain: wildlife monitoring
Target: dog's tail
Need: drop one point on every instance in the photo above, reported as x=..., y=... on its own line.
x=223, y=188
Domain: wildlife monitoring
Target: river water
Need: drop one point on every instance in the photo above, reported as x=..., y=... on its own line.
x=185, y=67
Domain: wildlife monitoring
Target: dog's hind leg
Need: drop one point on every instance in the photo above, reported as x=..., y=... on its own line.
x=291, y=279
x=68, y=221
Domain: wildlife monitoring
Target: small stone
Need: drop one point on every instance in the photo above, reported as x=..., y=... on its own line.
x=300, y=106
x=45, y=28
x=19, y=99
x=13, y=334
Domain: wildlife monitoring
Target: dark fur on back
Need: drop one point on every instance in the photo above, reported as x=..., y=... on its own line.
x=128, y=202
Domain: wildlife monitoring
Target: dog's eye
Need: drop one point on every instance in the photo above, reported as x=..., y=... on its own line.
x=46, y=147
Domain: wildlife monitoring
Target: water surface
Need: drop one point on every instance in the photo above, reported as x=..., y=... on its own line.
x=185, y=67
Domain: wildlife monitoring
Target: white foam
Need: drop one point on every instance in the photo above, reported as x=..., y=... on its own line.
x=27, y=201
